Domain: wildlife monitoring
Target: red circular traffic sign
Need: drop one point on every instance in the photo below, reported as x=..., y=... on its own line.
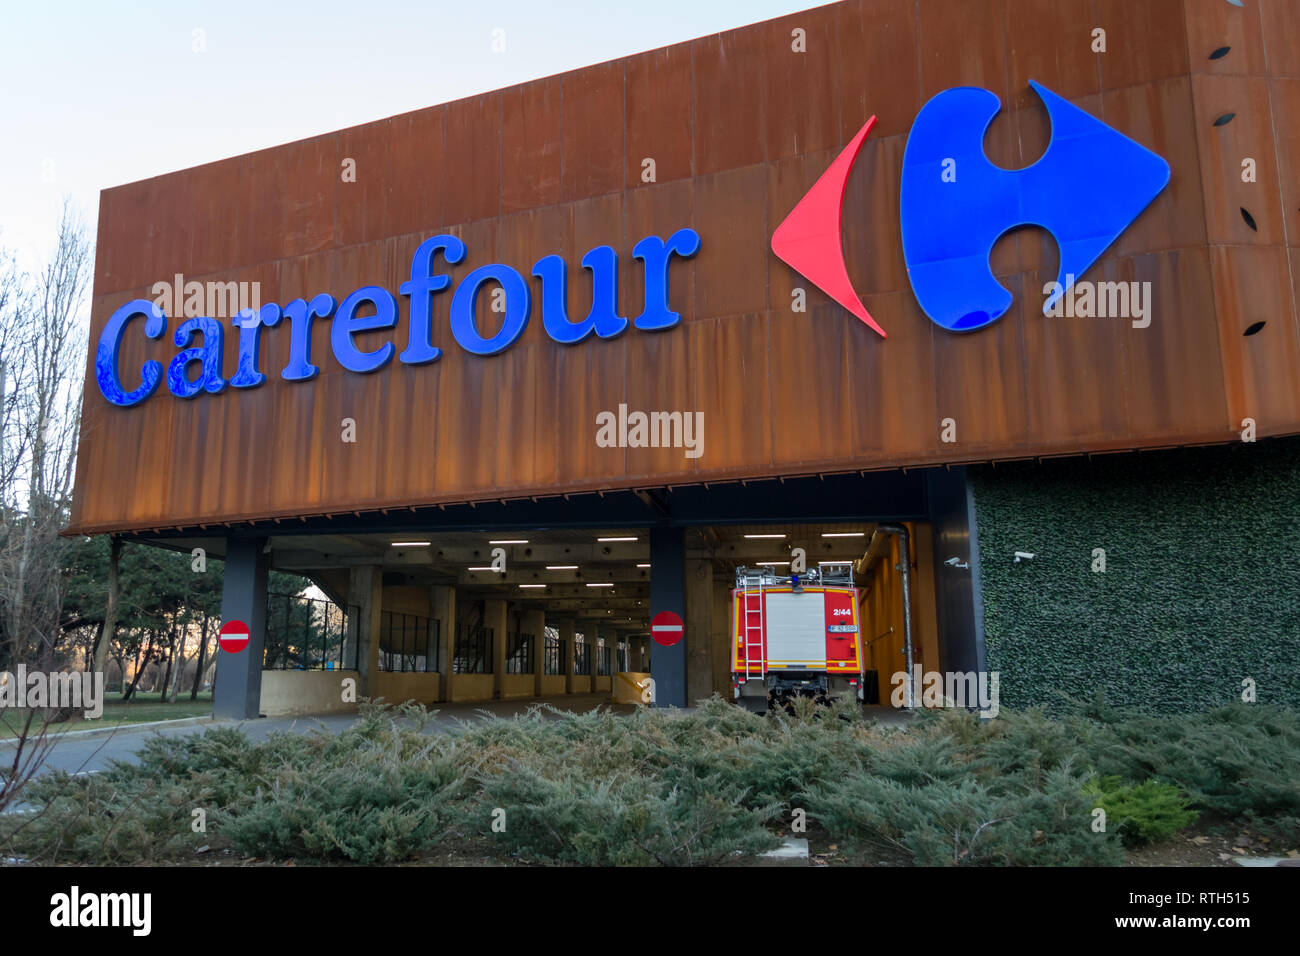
x=666, y=628
x=234, y=636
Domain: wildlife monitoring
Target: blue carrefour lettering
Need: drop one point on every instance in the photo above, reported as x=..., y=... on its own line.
x=250, y=325
x=421, y=287
x=375, y=309
x=208, y=355
x=300, y=314
x=110, y=344
x=347, y=324
x=655, y=253
x=463, y=324
x=603, y=319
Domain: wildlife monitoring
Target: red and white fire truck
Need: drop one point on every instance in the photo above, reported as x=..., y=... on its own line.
x=795, y=635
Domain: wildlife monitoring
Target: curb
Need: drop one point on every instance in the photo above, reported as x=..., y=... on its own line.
x=55, y=737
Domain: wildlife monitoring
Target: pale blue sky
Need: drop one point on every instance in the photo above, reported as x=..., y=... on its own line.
x=95, y=93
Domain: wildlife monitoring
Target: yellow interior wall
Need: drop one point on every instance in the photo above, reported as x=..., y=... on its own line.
x=882, y=609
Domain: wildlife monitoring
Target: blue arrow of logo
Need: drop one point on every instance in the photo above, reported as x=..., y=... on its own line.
x=1086, y=189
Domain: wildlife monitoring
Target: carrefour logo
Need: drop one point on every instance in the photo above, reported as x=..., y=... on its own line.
x=1086, y=189
x=198, y=368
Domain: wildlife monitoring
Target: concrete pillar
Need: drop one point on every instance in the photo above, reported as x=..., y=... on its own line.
x=722, y=637
x=699, y=629
x=494, y=619
x=566, y=629
x=366, y=596
x=668, y=593
x=442, y=605
x=535, y=624
x=583, y=627
x=238, y=693
x=594, y=633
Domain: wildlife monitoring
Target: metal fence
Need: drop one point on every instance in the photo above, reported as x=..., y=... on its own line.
x=602, y=659
x=519, y=653
x=581, y=656
x=304, y=633
x=553, y=659
x=408, y=642
x=473, y=651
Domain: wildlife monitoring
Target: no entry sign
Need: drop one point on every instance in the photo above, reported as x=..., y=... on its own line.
x=234, y=636
x=666, y=628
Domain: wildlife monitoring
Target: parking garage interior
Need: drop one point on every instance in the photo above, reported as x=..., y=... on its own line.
x=517, y=600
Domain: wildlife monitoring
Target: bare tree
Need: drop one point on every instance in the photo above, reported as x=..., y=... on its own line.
x=42, y=342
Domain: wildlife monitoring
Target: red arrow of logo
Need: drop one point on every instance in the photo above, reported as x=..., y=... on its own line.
x=808, y=240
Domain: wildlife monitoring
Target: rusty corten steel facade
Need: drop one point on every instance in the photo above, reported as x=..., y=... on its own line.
x=739, y=126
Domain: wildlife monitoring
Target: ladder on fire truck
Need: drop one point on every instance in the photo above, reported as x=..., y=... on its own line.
x=751, y=607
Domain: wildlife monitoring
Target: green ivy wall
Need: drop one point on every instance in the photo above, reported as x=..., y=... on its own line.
x=1201, y=587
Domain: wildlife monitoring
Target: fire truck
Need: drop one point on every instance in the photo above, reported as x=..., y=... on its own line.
x=795, y=635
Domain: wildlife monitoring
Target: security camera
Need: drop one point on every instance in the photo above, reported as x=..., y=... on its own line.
x=1024, y=556
x=956, y=563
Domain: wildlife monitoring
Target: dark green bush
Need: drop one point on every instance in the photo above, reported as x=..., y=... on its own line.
x=680, y=788
x=99, y=820
x=624, y=820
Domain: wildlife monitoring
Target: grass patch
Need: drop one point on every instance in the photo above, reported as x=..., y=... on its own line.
x=142, y=708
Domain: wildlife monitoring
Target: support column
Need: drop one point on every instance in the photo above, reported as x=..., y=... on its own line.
x=566, y=629
x=699, y=629
x=494, y=618
x=442, y=602
x=593, y=633
x=585, y=628
x=722, y=638
x=366, y=596
x=238, y=693
x=535, y=624
x=668, y=593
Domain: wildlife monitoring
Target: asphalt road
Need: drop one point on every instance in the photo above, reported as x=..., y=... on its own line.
x=89, y=754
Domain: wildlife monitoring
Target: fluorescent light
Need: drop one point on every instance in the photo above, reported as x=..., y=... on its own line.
x=411, y=544
x=764, y=536
x=508, y=542
x=502, y=570
x=762, y=564
x=844, y=534
x=616, y=539
x=561, y=567
x=532, y=585
x=643, y=565
x=609, y=585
